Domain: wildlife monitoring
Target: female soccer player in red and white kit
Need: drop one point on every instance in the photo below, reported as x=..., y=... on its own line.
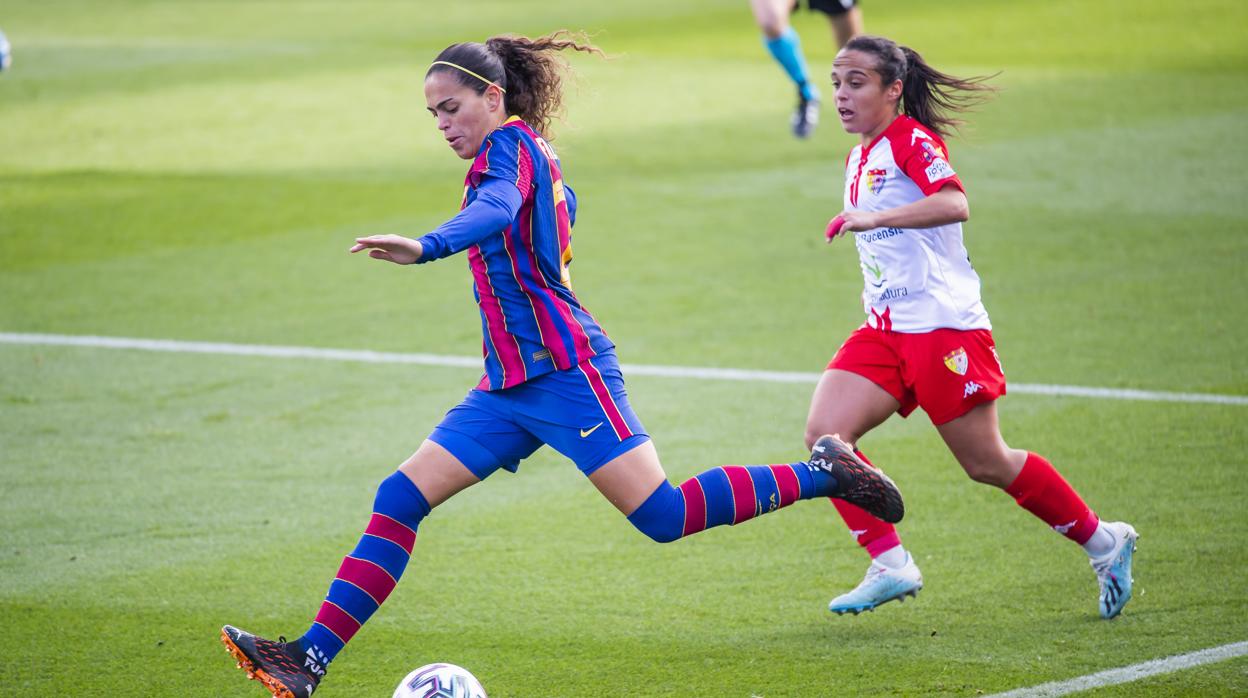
x=551, y=373
x=927, y=341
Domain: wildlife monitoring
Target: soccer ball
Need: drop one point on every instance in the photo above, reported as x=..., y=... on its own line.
x=6, y=53
x=440, y=681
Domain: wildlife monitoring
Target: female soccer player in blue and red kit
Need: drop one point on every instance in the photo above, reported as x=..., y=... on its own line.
x=551, y=374
x=927, y=341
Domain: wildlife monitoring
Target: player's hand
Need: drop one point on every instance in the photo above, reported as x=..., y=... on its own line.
x=850, y=222
x=391, y=248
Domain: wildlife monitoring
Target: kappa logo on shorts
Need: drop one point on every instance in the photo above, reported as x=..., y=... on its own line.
x=586, y=432
x=957, y=362
x=971, y=388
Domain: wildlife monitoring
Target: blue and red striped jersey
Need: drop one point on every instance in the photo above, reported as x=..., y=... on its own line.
x=531, y=321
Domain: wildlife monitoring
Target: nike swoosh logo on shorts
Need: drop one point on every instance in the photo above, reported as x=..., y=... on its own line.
x=587, y=432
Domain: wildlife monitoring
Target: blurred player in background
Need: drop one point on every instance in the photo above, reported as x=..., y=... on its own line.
x=551, y=373
x=785, y=46
x=927, y=341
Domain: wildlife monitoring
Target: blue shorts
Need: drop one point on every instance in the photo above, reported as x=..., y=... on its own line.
x=582, y=412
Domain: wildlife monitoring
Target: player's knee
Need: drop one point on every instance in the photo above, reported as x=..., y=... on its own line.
x=772, y=22
x=662, y=529
x=662, y=516
x=773, y=27
x=398, y=498
x=662, y=534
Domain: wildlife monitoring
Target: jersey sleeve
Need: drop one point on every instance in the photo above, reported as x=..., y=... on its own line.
x=924, y=158
x=504, y=156
x=493, y=209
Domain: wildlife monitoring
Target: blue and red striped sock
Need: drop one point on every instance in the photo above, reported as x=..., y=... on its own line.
x=369, y=573
x=728, y=494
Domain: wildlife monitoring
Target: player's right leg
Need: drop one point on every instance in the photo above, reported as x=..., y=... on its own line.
x=457, y=455
x=975, y=440
x=782, y=41
x=850, y=404
x=584, y=413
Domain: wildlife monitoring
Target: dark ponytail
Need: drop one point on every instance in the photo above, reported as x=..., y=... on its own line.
x=528, y=70
x=927, y=95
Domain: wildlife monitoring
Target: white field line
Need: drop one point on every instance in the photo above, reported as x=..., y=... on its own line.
x=1135, y=672
x=731, y=374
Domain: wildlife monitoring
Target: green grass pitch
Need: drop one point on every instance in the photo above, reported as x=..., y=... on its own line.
x=196, y=171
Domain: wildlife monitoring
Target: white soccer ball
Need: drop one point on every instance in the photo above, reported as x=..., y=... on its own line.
x=6, y=53
x=440, y=681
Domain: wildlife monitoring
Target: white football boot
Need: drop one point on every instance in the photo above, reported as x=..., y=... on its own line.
x=881, y=585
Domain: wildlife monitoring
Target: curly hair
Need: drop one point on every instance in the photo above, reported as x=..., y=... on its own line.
x=530, y=71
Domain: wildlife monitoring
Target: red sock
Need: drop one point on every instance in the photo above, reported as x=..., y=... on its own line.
x=870, y=532
x=1040, y=489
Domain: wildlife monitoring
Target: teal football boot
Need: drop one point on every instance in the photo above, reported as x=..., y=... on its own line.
x=881, y=585
x=1114, y=570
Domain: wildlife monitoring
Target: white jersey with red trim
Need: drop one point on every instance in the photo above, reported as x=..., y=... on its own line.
x=914, y=279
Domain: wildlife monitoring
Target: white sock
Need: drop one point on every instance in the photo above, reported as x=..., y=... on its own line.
x=893, y=558
x=1101, y=542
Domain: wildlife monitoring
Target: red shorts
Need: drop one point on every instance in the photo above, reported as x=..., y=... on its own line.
x=946, y=372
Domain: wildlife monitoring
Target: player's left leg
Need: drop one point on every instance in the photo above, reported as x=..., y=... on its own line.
x=637, y=485
x=364, y=580
x=975, y=440
x=474, y=439
x=784, y=45
x=584, y=414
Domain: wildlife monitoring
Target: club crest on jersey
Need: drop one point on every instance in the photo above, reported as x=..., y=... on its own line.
x=876, y=179
x=957, y=362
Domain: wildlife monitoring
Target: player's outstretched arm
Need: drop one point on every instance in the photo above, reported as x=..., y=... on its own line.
x=494, y=208
x=391, y=248
x=949, y=205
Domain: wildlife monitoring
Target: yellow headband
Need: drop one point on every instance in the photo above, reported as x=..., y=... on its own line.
x=460, y=67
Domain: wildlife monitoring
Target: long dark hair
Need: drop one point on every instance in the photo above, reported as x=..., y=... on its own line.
x=529, y=71
x=927, y=95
